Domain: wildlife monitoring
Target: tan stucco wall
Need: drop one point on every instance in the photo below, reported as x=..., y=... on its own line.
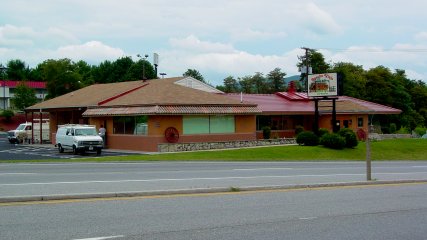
x=325, y=121
x=245, y=130
x=245, y=123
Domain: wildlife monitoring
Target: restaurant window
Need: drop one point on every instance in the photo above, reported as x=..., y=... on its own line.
x=360, y=122
x=208, y=124
x=279, y=122
x=134, y=125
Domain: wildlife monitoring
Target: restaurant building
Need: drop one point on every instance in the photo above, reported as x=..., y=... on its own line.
x=140, y=115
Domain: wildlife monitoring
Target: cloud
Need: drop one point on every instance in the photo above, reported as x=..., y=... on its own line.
x=91, y=51
x=12, y=36
x=192, y=43
x=26, y=37
x=249, y=34
x=220, y=59
x=421, y=36
x=319, y=21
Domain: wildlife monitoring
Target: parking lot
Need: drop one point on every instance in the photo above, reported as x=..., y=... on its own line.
x=10, y=151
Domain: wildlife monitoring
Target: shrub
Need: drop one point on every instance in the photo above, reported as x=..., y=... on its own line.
x=322, y=131
x=299, y=129
x=393, y=128
x=385, y=130
x=403, y=130
x=266, y=132
x=307, y=138
x=350, y=137
x=333, y=140
x=7, y=114
x=420, y=131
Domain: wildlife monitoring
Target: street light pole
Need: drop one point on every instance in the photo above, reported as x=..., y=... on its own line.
x=143, y=65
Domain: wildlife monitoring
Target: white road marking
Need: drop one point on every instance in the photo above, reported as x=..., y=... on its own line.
x=18, y=173
x=307, y=218
x=255, y=169
x=197, y=179
x=101, y=238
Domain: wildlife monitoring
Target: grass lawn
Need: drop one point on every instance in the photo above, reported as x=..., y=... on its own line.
x=395, y=149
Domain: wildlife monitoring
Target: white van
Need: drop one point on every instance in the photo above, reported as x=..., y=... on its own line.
x=23, y=132
x=78, y=138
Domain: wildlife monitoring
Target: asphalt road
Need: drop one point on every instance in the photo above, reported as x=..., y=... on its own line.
x=46, y=179
x=10, y=151
x=365, y=212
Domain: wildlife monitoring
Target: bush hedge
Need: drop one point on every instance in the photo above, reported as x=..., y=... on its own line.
x=299, y=129
x=7, y=114
x=332, y=140
x=350, y=137
x=322, y=131
x=266, y=132
x=307, y=138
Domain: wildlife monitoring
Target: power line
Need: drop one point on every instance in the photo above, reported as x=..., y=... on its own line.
x=385, y=50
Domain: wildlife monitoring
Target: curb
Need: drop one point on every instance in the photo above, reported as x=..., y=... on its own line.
x=198, y=191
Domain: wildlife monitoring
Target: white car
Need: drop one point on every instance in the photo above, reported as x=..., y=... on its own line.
x=78, y=138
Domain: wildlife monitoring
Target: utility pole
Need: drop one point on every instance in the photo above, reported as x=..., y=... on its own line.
x=306, y=67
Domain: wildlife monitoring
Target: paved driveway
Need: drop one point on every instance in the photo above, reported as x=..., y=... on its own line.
x=10, y=151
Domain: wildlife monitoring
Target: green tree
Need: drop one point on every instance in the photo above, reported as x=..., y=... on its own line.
x=276, y=81
x=120, y=68
x=17, y=70
x=246, y=85
x=140, y=69
x=85, y=71
x=231, y=85
x=60, y=76
x=102, y=73
x=194, y=74
x=315, y=60
x=24, y=97
x=353, y=77
x=260, y=83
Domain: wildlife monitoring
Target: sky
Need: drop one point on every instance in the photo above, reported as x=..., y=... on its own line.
x=218, y=38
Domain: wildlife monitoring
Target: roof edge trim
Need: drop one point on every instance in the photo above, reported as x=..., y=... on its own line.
x=121, y=94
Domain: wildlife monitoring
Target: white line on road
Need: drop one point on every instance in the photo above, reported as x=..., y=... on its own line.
x=255, y=169
x=101, y=238
x=307, y=218
x=18, y=173
x=198, y=179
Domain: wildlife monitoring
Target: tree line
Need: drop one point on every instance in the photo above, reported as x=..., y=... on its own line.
x=379, y=84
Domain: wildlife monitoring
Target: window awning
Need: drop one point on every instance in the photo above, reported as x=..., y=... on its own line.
x=170, y=110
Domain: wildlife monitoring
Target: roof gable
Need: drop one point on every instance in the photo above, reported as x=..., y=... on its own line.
x=196, y=84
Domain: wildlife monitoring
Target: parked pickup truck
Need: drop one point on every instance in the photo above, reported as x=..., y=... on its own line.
x=24, y=132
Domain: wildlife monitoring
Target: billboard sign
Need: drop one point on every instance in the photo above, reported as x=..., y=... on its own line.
x=322, y=85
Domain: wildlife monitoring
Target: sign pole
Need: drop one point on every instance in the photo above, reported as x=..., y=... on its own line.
x=368, y=158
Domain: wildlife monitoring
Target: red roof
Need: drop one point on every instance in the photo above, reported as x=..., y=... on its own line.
x=275, y=104
x=30, y=84
x=298, y=103
x=170, y=110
